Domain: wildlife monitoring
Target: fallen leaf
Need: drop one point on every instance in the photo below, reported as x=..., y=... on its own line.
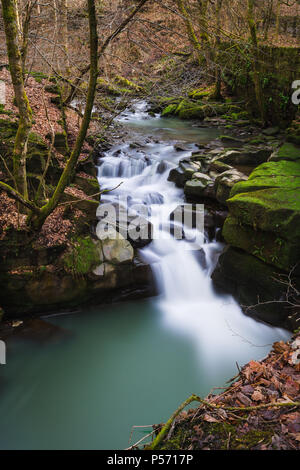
x=257, y=396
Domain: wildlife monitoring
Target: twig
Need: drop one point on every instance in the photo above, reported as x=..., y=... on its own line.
x=192, y=398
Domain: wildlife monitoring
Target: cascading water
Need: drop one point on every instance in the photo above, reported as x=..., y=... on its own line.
x=187, y=298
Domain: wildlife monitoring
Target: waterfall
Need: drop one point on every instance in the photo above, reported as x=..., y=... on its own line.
x=187, y=300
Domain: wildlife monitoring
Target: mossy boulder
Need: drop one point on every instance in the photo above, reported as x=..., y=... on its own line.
x=265, y=214
x=287, y=151
x=281, y=174
x=190, y=110
x=265, y=245
x=82, y=257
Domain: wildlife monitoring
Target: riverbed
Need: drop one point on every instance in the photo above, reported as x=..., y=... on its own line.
x=132, y=363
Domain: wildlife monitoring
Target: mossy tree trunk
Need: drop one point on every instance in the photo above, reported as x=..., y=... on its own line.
x=190, y=29
x=25, y=121
x=217, y=92
x=203, y=6
x=66, y=177
x=25, y=34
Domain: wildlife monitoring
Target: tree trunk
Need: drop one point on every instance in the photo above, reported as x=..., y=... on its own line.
x=37, y=221
x=25, y=33
x=217, y=92
x=25, y=120
x=256, y=66
x=64, y=30
x=190, y=29
x=203, y=5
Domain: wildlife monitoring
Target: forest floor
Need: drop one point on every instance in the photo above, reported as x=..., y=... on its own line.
x=46, y=119
x=256, y=412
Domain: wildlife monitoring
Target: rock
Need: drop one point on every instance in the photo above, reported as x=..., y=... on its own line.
x=220, y=167
x=265, y=214
x=249, y=279
x=265, y=245
x=131, y=225
x=161, y=167
x=180, y=148
x=281, y=174
x=104, y=269
x=271, y=131
x=136, y=145
x=178, y=177
x=189, y=167
x=247, y=156
x=229, y=140
x=196, y=186
x=89, y=186
x=287, y=151
x=202, y=177
x=114, y=248
x=225, y=182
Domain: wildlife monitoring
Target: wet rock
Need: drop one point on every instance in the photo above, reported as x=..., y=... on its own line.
x=247, y=156
x=196, y=186
x=178, y=177
x=131, y=225
x=225, y=182
x=230, y=140
x=180, y=148
x=189, y=167
x=161, y=167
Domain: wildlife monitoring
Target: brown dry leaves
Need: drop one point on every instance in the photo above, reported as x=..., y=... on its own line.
x=276, y=379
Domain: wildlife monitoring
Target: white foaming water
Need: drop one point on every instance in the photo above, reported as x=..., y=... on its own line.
x=187, y=301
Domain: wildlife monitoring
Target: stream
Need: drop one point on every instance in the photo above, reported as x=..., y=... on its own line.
x=133, y=363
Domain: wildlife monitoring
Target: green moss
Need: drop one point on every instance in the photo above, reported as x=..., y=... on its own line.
x=200, y=93
x=186, y=433
x=287, y=151
x=38, y=76
x=267, y=246
x=276, y=210
x=170, y=110
x=112, y=88
x=281, y=174
x=128, y=84
x=82, y=258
